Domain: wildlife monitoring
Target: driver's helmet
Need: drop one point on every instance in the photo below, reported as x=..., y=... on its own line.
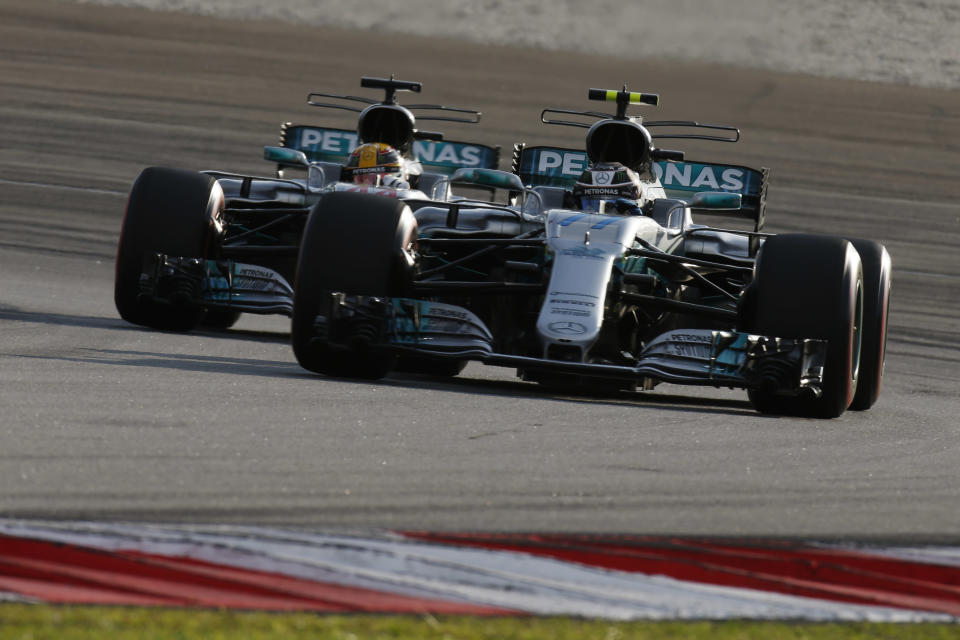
x=376, y=164
x=608, y=187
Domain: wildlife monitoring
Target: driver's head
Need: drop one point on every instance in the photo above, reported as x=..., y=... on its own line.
x=606, y=187
x=370, y=162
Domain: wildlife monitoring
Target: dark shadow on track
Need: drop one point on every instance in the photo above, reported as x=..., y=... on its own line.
x=58, y=319
x=518, y=389
x=117, y=324
x=175, y=361
x=255, y=367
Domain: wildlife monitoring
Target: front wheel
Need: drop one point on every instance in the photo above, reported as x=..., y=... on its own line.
x=809, y=286
x=170, y=211
x=355, y=244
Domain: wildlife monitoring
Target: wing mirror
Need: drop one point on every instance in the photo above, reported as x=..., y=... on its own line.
x=705, y=201
x=488, y=178
x=501, y=180
x=715, y=200
x=285, y=156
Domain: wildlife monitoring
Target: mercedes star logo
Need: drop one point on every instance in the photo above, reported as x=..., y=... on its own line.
x=603, y=177
x=567, y=328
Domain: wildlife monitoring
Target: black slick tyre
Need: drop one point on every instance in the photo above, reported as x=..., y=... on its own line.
x=877, y=273
x=220, y=319
x=431, y=366
x=170, y=211
x=809, y=286
x=355, y=244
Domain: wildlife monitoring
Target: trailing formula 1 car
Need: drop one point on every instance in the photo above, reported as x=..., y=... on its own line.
x=594, y=272
x=204, y=247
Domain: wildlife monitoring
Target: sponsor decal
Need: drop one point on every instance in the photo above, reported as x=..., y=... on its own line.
x=584, y=252
x=690, y=351
x=245, y=281
x=448, y=153
x=258, y=284
x=359, y=171
x=427, y=323
x=567, y=328
x=582, y=303
x=560, y=167
x=601, y=191
x=334, y=145
x=692, y=338
x=603, y=177
x=691, y=345
x=249, y=278
x=697, y=177
x=566, y=163
x=255, y=273
x=327, y=140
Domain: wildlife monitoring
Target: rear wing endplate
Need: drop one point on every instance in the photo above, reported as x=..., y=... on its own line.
x=560, y=167
x=327, y=144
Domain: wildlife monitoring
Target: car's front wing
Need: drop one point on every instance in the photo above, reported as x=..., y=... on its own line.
x=685, y=356
x=223, y=284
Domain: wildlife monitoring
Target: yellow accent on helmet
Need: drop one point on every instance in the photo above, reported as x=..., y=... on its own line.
x=370, y=161
x=374, y=154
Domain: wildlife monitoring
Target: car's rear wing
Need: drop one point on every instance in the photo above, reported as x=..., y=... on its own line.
x=327, y=144
x=560, y=167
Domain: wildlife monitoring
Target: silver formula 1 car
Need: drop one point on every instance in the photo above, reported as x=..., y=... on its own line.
x=569, y=282
x=204, y=247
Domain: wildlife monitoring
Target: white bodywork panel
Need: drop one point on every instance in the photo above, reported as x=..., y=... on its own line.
x=584, y=247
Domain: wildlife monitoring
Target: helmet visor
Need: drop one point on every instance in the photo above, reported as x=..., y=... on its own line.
x=372, y=179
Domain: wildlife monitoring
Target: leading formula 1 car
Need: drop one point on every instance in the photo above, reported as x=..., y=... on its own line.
x=203, y=247
x=569, y=292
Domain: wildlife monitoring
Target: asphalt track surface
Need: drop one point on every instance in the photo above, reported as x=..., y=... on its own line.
x=103, y=420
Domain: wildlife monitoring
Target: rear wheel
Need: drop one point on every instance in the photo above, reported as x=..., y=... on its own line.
x=170, y=211
x=809, y=286
x=877, y=269
x=355, y=244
